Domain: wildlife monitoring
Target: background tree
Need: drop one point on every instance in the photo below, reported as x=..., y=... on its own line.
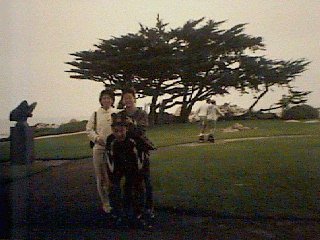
x=185, y=65
x=263, y=75
x=293, y=97
x=144, y=60
x=208, y=61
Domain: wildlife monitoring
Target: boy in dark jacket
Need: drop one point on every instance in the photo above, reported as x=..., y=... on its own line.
x=125, y=157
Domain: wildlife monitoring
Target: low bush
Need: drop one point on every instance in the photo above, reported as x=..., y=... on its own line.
x=301, y=112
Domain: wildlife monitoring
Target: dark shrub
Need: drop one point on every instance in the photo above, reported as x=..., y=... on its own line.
x=251, y=116
x=165, y=118
x=267, y=116
x=301, y=112
x=70, y=127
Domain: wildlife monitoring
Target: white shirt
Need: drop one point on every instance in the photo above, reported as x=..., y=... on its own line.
x=214, y=113
x=204, y=109
x=209, y=110
x=103, y=125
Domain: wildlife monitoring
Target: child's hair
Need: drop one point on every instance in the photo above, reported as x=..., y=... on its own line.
x=130, y=90
x=107, y=91
x=119, y=119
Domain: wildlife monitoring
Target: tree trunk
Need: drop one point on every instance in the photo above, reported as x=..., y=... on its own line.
x=160, y=119
x=183, y=118
x=258, y=99
x=153, y=108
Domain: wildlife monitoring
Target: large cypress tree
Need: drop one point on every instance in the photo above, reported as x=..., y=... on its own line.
x=185, y=65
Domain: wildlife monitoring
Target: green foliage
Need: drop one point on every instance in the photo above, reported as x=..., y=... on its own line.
x=301, y=112
x=294, y=97
x=185, y=65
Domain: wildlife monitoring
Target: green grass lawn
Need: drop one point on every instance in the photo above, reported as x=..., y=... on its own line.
x=183, y=133
x=266, y=177
x=77, y=146
x=66, y=147
x=269, y=177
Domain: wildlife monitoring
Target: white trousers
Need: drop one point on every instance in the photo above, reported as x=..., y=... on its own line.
x=100, y=169
x=207, y=125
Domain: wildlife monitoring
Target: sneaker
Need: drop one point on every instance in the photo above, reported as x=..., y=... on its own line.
x=211, y=138
x=149, y=217
x=149, y=213
x=140, y=222
x=201, y=138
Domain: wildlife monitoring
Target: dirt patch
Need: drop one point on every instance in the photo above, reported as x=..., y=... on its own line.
x=236, y=128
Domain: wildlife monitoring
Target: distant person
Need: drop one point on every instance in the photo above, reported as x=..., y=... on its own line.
x=137, y=128
x=98, y=128
x=214, y=115
x=208, y=114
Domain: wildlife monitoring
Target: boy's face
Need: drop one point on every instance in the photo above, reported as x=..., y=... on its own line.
x=120, y=132
x=128, y=100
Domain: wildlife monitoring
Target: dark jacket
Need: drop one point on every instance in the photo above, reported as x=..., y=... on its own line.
x=137, y=129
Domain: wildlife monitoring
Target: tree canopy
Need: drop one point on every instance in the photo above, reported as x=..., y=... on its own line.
x=185, y=65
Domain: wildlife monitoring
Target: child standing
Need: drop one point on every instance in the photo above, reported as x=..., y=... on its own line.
x=125, y=158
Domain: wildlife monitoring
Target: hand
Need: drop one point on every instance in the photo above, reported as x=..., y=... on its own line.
x=100, y=142
x=129, y=120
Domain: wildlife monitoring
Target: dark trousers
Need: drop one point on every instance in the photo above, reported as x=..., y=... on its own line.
x=148, y=188
x=129, y=203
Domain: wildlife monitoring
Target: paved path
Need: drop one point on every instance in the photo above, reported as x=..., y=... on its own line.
x=62, y=203
x=60, y=135
x=228, y=140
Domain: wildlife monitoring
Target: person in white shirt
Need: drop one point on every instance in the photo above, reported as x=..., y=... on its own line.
x=98, y=128
x=208, y=114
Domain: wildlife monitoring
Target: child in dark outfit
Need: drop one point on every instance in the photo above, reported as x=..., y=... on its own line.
x=125, y=158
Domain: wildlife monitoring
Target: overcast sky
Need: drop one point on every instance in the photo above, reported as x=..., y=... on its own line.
x=37, y=36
